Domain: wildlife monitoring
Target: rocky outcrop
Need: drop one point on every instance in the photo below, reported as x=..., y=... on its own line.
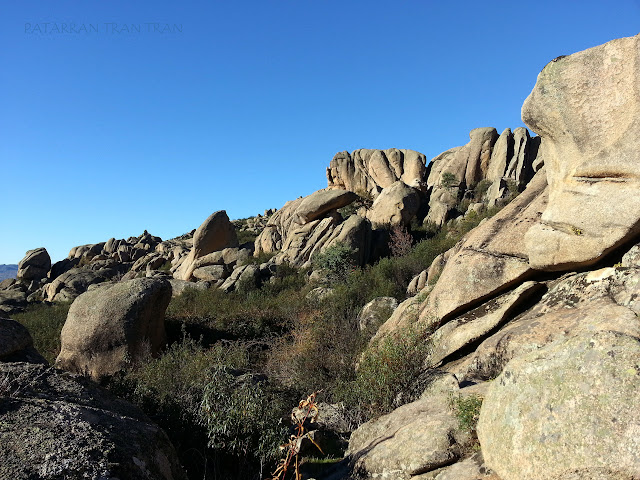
x=74, y=282
x=13, y=298
x=216, y=233
x=54, y=425
x=586, y=108
x=111, y=326
x=564, y=347
x=576, y=304
x=376, y=312
x=295, y=240
x=397, y=204
x=571, y=408
x=370, y=171
x=34, y=266
x=487, y=169
x=319, y=203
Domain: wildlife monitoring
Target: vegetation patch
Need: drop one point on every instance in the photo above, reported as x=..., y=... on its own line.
x=45, y=322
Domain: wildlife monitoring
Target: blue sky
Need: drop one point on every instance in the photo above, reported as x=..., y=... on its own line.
x=120, y=116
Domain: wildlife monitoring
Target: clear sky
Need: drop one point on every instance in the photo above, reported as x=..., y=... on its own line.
x=118, y=116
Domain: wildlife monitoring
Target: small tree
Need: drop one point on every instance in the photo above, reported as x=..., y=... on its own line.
x=400, y=241
x=448, y=180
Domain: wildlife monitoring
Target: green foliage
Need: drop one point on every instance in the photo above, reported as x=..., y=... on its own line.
x=386, y=369
x=337, y=261
x=179, y=376
x=481, y=189
x=177, y=388
x=365, y=199
x=448, y=180
x=250, y=314
x=45, y=323
x=262, y=257
x=246, y=236
x=165, y=267
x=467, y=410
x=241, y=416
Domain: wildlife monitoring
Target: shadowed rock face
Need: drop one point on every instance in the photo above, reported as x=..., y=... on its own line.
x=54, y=425
x=586, y=108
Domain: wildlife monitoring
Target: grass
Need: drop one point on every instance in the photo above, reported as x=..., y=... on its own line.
x=45, y=323
x=467, y=411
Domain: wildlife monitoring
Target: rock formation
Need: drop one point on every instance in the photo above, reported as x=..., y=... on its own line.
x=113, y=325
x=586, y=108
x=370, y=171
x=295, y=235
x=215, y=233
x=564, y=348
x=34, y=266
x=571, y=408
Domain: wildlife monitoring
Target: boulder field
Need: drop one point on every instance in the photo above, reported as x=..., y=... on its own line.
x=534, y=313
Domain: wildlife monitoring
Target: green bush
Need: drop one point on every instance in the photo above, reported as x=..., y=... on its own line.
x=242, y=417
x=178, y=391
x=245, y=236
x=481, y=189
x=387, y=368
x=448, y=180
x=45, y=323
x=337, y=261
x=262, y=257
x=467, y=410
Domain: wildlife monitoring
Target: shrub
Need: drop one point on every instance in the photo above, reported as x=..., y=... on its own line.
x=245, y=236
x=386, y=369
x=45, y=323
x=481, y=189
x=262, y=257
x=174, y=389
x=400, y=241
x=241, y=417
x=448, y=180
x=337, y=261
x=467, y=410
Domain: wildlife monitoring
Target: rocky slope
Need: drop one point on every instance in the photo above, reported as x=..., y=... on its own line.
x=537, y=308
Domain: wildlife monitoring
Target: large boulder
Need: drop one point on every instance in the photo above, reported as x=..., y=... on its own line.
x=586, y=108
x=320, y=202
x=215, y=233
x=413, y=439
x=13, y=300
x=54, y=425
x=16, y=344
x=397, y=204
x=111, y=326
x=370, y=171
x=569, y=410
x=35, y=265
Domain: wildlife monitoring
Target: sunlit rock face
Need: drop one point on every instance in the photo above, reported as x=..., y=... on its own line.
x=586, y=108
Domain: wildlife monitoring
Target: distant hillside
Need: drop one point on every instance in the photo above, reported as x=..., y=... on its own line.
x=8, y=271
